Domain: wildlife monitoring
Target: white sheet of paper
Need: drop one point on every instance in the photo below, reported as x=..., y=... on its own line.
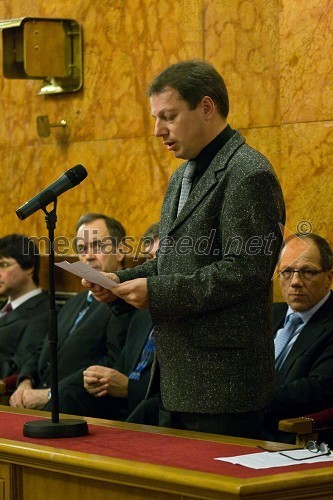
x=88, y=273
x=267, y=460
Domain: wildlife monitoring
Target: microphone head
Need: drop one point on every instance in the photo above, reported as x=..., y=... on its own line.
x=76, y=174
x=66, y=181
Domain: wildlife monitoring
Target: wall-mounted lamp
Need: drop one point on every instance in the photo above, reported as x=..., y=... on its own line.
x=46, y=49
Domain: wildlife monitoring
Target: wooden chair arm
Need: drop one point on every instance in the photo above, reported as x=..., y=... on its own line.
x=3, y=387
x=299, y=425
x=302, y=427
x=311, y=426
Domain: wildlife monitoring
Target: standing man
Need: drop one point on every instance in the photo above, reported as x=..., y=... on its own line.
x=87, y=331
x=209, y=290
x=304, y=352
x=24, y=317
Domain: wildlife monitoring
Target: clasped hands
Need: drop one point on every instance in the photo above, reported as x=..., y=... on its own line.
x=135, y=292
x=27, y=397
x=101, y=381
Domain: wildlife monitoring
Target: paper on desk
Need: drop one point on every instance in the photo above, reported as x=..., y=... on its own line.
x=267, y=460
x=88, y=273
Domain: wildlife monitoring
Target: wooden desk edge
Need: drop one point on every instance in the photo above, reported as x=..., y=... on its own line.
x=157, y=477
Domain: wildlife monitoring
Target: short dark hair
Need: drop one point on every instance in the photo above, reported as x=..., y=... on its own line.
x=152, y=232
x=114, y=227
x=325, y=250
x=24, y=250
x=193, y=80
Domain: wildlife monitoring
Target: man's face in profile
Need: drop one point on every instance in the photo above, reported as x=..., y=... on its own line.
x=181, y=128
x=13, y=279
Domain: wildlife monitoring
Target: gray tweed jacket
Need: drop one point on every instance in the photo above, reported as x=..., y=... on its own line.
x=210, y=286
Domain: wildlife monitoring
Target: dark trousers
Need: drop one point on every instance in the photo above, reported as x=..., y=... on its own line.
x=147, y=412
x=246, y=425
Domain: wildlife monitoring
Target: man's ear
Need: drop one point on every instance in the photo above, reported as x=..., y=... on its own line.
x=121, y=254
x=30, y=271
x=329, y=276
x=208, y=107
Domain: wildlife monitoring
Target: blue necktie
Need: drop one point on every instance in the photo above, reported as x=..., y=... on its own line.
x=146, y=355
x=82, y=312
x=186, y=184
x=289, y=330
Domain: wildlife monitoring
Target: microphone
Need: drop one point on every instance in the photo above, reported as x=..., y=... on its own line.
x=68, y=180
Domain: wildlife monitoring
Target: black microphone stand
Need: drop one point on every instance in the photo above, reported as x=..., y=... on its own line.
x=54, y=428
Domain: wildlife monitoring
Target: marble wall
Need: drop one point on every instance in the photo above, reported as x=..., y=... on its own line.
x=276, y=57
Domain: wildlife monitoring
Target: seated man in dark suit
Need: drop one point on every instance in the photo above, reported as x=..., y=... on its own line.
x=24, y=318
x=87, y=331
x=303, y=341
x=113, y=393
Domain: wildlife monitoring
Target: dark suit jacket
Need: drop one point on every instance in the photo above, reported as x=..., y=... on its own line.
x=96, y=339
x=210, y=286
x=137, y=336
x=75, y=400
x=21, y=333
x=304, y=383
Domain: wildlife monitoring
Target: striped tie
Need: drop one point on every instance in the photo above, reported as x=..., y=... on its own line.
x=294, y=320
x=186, y=184
x=146, y=356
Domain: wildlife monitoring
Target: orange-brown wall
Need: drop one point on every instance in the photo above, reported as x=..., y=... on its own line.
x=276, y=58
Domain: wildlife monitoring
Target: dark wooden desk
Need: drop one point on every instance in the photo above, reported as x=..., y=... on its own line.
x=35, y=469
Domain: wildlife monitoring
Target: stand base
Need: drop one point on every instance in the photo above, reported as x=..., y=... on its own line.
x=48, y=429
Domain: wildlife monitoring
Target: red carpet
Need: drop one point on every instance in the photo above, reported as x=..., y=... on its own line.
x=158, y=449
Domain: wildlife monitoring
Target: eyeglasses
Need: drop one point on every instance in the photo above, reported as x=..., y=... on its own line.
x=319, y=450
x=323, y=448
x=305, y=274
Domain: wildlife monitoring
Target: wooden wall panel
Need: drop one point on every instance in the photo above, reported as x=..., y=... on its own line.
x=307, y=152
x=276, y=58
x=109, y=125
x=241, y=38
x=306, y=62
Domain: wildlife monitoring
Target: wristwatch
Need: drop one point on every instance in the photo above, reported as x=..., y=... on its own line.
x=49, y=395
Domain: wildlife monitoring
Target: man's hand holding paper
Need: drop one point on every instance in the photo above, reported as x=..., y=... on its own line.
x=98, y=282
x=134, y=292
x=106, y=287
x=100, y=293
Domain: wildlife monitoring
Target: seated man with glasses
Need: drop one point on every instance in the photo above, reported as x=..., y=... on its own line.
x=303, y=327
